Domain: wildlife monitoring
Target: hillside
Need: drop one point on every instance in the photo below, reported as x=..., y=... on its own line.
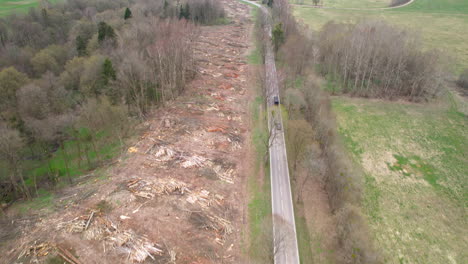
x=177, y=192
x=412, y=155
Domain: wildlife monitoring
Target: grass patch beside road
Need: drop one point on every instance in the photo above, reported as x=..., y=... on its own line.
x=259, y=190
x=414, y=158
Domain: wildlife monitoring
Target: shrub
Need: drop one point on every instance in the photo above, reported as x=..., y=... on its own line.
x=463, y=80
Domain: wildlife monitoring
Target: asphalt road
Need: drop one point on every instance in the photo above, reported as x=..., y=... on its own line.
x=285, y=247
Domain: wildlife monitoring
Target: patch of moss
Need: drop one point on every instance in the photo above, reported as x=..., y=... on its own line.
x=414, y=165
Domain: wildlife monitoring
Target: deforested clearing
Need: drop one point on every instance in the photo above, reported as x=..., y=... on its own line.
x=174, y=190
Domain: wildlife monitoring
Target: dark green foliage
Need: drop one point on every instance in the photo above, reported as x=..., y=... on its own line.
x=81, y=46
x=128, y=13
x=184, y=11
x=108, y=71
x=206, y=12
x=463, y=80
x=105, y=32
x=102, y=86
x=278, y=36
x=45, y=17
x=270, y=3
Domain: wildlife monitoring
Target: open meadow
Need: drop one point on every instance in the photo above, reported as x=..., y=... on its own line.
x=413, y=155
x=414, y=160
x=9, y=6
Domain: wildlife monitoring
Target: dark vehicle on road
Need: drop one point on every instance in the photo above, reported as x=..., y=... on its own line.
x=276, y=100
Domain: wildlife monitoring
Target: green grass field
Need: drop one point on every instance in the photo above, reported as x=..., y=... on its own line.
x=9, y=6
x=18, y=6
x=414, y=157
x=443, y=23
x=346, y=3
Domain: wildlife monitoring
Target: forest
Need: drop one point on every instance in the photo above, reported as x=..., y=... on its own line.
x=77, y=75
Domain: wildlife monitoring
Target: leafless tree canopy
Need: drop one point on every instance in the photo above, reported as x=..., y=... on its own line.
x=157, y=61
x=74, y=71
x=205, y=11
x=375, y=59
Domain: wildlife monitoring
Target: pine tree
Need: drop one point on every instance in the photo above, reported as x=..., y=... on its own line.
x=45, y=16
x=81, y=46
x=128, y=13
x=187, y=11
x=278, y=36
x=184, y=11
x=108, y=72
x=166, y=6
x=105, y=32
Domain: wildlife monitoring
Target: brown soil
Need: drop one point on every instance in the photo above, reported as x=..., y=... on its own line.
x=180, y=188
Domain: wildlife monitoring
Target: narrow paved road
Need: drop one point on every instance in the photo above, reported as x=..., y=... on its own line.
x=285, y=247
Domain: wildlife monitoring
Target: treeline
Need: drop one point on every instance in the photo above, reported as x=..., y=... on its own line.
x=313, y=142
x=202, y=11
x=75, y=75
x=375, y=59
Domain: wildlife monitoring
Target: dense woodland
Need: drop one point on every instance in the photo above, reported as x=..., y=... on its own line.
x=75, y=76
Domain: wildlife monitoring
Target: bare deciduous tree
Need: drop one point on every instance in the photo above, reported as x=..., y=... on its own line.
x=374, y=59
x=299, y=135
x=11, y=146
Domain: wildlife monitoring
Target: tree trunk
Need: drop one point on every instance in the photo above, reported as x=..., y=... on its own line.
x=78, y=148
x=25, y=188
x=88, y=159
x=65, y=160
x=93, y=143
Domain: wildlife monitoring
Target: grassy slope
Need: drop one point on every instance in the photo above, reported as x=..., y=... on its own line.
x=348, y=3
x=444, y=28
x=438, y=6
x=38, y=170
x=19, y=6
x=414, y=157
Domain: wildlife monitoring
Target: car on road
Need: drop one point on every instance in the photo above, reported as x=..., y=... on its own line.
x=276, y=100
